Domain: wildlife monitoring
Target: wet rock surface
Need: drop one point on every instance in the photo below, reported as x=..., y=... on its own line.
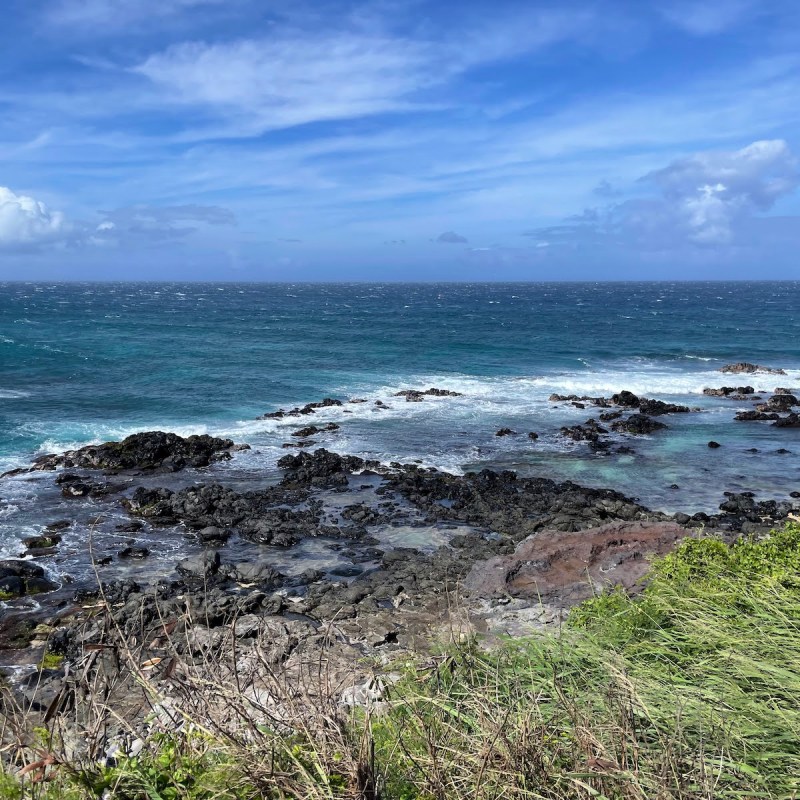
x=143, y=452
x=638, y=425
x=744, y=367
x=308, y=408
x=417, y=395
x=497, y=534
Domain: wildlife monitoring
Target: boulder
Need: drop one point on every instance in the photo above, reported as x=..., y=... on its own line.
x=756, y=416
x=146, y=452
x=202, y=565
x=778, y=402
x=21, y=577
x=564, y=568
x=638, y=425
x=259, y=573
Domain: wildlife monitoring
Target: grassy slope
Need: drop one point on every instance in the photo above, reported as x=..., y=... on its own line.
x=690, y=691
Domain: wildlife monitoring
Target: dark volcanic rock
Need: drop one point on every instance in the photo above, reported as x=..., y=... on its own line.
x=742, y=512
x=19, y=578
x=202, y=565
x=259, y=516
x=321, y=468
x=501, y=502
x=714, y=445
x=756, y=416
x=637, y=424
x=727, y=391
x=137, y=553
x=42, y=542
x=562, y=569
x=417, y=395
x=790, y=421
x=747, y=368
x=656, y=408
x=647, y=406
x=574, y=398
x=312, y=430
x=308, y=408
x=145, y=452
x=505, y=432
x=626, y=399
x=258, y=573
x=590, y=432
x=778, y=402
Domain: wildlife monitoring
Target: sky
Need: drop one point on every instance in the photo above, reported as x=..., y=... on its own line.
x=399, y=140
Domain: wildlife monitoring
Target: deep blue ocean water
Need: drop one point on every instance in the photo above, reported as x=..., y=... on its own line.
x=82, y=363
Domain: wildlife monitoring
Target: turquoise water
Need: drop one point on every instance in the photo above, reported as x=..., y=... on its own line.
x=90, y=362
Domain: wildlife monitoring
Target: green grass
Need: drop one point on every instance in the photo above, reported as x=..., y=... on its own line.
x=51, y=661
x=690, y=691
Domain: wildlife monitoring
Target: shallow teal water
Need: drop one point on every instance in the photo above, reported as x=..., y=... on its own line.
x=88, y=362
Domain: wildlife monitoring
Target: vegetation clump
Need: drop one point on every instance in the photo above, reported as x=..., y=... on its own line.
x=689, y=691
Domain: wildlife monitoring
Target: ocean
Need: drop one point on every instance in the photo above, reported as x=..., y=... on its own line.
x=82, y=363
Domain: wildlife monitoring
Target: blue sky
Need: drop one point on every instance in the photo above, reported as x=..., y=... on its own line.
x=260, y=140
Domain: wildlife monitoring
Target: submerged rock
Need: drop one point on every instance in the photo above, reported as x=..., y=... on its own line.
x=308, y=408
x=748, y=368
x=417, y=395
x=727, y=391
x=312, y=430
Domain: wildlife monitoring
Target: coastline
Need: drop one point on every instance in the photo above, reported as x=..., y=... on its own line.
x=336, y=535
x=382, y=564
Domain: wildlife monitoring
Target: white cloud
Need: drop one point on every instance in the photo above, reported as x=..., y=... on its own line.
x=709, y=199
x=707, y=194
x=28, y=223
x=293, y=77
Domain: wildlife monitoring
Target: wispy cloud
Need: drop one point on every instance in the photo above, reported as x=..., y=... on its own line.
x=115, y=14
x=155, y=225
x=293, y=77
x=709, y=17
x=350, y=123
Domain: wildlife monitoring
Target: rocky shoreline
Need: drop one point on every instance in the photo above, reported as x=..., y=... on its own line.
x=496, y=551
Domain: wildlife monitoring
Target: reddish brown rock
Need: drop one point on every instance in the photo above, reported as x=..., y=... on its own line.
x=562, y=569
